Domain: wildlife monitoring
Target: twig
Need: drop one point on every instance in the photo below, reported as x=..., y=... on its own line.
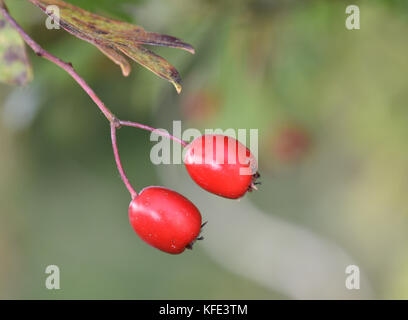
x=115, y=123
x=64, y=65
x=132, y=191
x=157, y=131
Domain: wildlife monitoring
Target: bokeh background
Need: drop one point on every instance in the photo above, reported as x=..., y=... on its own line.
x=331, y=109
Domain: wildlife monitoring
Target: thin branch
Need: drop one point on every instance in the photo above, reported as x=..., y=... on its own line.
x=64, y=65
x=115, y=123
x=125, y=180
x=157, y=131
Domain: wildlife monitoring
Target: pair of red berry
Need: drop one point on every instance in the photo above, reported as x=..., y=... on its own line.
x=170, y=222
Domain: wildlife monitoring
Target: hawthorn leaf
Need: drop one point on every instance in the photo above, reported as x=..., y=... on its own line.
x=15, y=68
x=113, y=54
x=117, y=39
x=154, y=63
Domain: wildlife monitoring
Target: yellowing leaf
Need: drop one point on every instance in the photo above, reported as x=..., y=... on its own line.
x=113, y=54
x=116, y=39
x=154, y=63
x=15, y=67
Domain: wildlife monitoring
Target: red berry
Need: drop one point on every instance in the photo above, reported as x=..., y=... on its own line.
x=165, y=219
x=221, y=165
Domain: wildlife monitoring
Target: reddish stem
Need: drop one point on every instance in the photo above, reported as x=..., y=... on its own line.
x=64, y=65
x=159, y=132
x=125, y=180
x=114, y=121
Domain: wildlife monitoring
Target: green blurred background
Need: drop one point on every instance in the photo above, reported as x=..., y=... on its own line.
x=331, y=108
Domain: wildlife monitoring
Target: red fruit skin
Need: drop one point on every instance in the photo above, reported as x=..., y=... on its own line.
x=165, y=219
x=211, y=170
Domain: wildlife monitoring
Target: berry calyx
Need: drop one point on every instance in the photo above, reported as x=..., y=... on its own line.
x=165, y=219
x=221, y=165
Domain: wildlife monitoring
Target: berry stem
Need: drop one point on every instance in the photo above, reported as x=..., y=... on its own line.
x=159, y=132
x=125, y=180
x=115, y=123
x=39, y=51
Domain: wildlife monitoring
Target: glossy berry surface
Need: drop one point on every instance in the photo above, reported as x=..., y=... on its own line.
x=165, y=219
x=221, y=165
